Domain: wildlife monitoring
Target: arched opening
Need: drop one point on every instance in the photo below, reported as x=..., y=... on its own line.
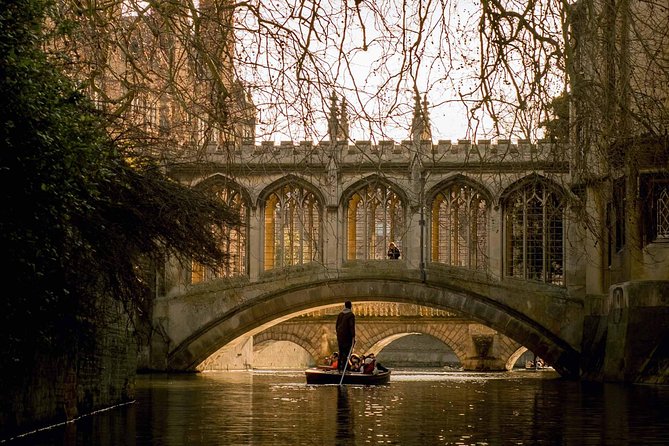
x=459, y=228
x=232, y=239
x=283, y=304
x=534, y=231
x=281, y=355
x=293, y=219
x=375, y=218
x=526, y=360
x=418, y=350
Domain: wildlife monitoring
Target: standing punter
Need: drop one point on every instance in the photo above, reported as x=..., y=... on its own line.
x=345, y=333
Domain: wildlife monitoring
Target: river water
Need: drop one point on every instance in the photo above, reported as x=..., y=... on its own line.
x=416, y=408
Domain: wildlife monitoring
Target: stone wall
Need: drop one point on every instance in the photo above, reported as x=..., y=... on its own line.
x=627, y=334
x=96, y=373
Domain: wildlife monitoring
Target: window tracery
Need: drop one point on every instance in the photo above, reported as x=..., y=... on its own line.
x=534, y=234
x=292, y=227
x=460, y=227
x=375, y=218
x=233, y=240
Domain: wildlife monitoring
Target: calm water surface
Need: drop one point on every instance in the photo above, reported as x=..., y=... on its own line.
x=416, y=408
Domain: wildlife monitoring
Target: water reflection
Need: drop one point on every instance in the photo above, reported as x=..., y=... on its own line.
x=415, y=409
x=345, y=432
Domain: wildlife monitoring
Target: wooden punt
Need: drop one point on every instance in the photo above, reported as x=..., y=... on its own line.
x=323, y=375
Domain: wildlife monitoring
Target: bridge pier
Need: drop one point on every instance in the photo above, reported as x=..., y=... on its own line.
x=626, y=336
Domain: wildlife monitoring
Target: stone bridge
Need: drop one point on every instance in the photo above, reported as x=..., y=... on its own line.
x=484, y=230
x=490, y=231
x=196, y=323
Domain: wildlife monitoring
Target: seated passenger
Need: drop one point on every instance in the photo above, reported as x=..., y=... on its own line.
x=334, y=360
x=354, y=364
x=377, y=365
x=369, y=364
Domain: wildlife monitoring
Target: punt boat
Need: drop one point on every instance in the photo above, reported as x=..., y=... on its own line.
x=326, y=375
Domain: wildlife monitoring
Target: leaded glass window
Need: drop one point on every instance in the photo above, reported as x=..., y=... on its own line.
x=663, y=213
x=233, y=240
x=375, y=218
x=292, y=227
x=460, y=227
x=654, y=189
x=534, y=234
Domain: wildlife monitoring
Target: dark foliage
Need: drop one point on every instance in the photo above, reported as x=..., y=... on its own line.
x=78, y=216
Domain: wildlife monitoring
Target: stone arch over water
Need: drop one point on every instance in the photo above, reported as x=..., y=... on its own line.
x=251, y=316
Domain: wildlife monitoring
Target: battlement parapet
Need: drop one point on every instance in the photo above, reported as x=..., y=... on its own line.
x=364, y=151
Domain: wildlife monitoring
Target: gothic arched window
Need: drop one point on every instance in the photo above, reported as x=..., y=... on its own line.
x=460, y=227
x=292, y=227
x=534, y=234
x=233, y=240
x=662, y=217
x=654, y=190
x=375, y=218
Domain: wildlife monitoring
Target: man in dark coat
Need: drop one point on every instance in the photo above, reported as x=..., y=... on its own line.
x=345, y=333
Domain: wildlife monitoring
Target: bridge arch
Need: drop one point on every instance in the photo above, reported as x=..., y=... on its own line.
x=263, y=339
x=447, y=337
x=514, y=357
x=250, y=316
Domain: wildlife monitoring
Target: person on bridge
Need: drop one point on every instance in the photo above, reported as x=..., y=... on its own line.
x=345, y=333
x=393, y=251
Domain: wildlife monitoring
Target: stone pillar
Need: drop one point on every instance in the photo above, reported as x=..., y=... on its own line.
x=176, y=276
x=255, y=244
x=585, y=246
x=495, y=242
x=333, y=232
x=482, y=350
x=411, y=246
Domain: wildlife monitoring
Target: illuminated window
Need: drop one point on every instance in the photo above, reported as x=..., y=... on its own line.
x=654, y=189
x=375, y=218
x=233, y=240
x=292, y=227
x=534, y=234
x=460, y=227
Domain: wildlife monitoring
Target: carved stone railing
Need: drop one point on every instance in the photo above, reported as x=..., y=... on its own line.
x=385, y=309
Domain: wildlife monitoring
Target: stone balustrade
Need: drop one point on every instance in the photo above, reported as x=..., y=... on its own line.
x=385, y=309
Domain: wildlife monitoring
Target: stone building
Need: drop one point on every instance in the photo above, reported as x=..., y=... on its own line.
x=620, y=168
x=590, y=217
x=161, y=74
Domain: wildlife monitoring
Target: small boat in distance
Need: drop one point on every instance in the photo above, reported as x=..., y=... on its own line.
x=327, y=375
